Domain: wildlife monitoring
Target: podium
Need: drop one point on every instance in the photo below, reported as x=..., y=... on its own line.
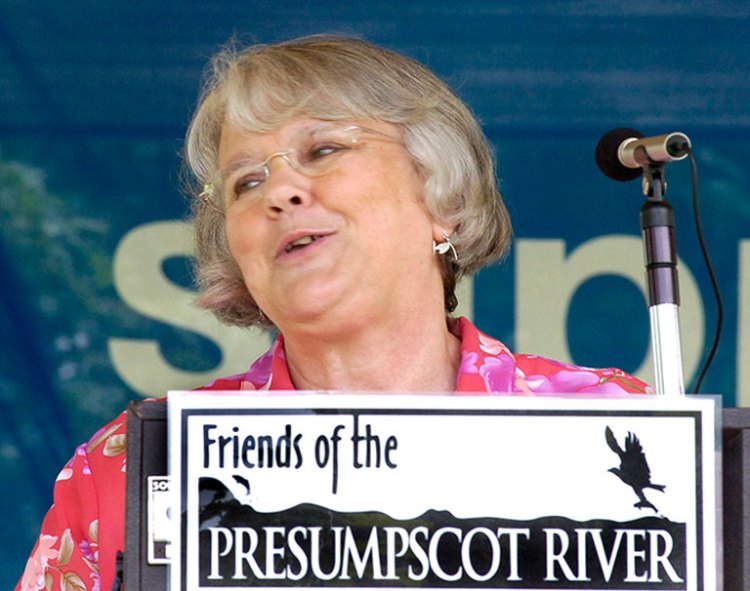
x=736, y=497
x=147, y=456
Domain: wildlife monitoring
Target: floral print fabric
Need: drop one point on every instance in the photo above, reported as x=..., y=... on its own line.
x=89, y=496
x=84, y=529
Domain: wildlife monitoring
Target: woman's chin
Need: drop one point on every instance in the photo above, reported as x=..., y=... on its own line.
x=321, y=315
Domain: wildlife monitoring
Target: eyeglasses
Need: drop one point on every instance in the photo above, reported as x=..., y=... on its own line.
x=315, y=152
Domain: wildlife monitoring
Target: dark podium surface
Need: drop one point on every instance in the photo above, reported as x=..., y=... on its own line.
x=735, y=478
x=147, y=456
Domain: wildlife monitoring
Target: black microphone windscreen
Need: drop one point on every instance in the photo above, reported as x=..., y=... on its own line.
x=607, y=158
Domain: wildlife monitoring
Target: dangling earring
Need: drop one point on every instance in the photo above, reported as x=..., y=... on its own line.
x=208, y=197
x=445, y=246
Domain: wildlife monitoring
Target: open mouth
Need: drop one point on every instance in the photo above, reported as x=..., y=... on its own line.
x=301, y=243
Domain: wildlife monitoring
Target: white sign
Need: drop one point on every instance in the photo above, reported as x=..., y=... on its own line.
x=442, y=492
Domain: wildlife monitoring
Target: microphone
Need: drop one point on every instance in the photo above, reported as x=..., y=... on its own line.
x=622, y=153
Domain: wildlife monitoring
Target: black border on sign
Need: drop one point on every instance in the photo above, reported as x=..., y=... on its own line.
x=695, y=415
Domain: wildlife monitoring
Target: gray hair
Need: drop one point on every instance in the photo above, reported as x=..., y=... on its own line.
x=261, y=87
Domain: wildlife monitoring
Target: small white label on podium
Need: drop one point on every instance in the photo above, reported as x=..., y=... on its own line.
x=159, y=524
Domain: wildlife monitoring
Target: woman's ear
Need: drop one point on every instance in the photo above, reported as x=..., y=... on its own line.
x=440, y=232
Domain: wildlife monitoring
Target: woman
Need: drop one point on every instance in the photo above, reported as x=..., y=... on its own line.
x=342, y=191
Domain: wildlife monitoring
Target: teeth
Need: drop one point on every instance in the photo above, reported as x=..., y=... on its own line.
x=304, y=241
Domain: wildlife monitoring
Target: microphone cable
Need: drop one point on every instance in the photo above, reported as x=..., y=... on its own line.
x=711, y=273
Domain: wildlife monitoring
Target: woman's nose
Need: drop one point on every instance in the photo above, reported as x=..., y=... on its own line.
x=286, y=186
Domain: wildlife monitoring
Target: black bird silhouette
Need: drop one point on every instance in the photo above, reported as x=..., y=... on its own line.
x=633, y=470
x=243, y=481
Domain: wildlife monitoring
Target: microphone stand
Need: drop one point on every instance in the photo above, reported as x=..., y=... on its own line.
x=657, y=226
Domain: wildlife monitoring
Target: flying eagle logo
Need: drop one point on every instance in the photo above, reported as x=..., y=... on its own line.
x=633, y=469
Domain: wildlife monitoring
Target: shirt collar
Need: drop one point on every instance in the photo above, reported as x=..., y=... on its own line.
x=486, y=364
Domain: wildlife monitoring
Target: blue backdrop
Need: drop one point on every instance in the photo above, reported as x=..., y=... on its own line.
x=94, y=100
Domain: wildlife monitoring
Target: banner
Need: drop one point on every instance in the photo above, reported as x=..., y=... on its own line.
x=442, y=492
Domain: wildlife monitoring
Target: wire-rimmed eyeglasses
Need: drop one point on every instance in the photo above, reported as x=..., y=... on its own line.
x=314, y=152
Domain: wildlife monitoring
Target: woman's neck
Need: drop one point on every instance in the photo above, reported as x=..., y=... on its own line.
x=399, y=356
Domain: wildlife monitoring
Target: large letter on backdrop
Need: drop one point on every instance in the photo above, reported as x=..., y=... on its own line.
x=142, y=285
x=743, y=325
x=547, y=279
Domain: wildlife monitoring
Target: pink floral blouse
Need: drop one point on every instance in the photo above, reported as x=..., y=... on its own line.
x=84, y=528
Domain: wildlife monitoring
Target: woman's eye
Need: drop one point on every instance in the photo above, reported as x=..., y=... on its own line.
x=247, y=185
x=323, y=150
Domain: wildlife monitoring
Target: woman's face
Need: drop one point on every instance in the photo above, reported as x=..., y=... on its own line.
x=343, y=247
